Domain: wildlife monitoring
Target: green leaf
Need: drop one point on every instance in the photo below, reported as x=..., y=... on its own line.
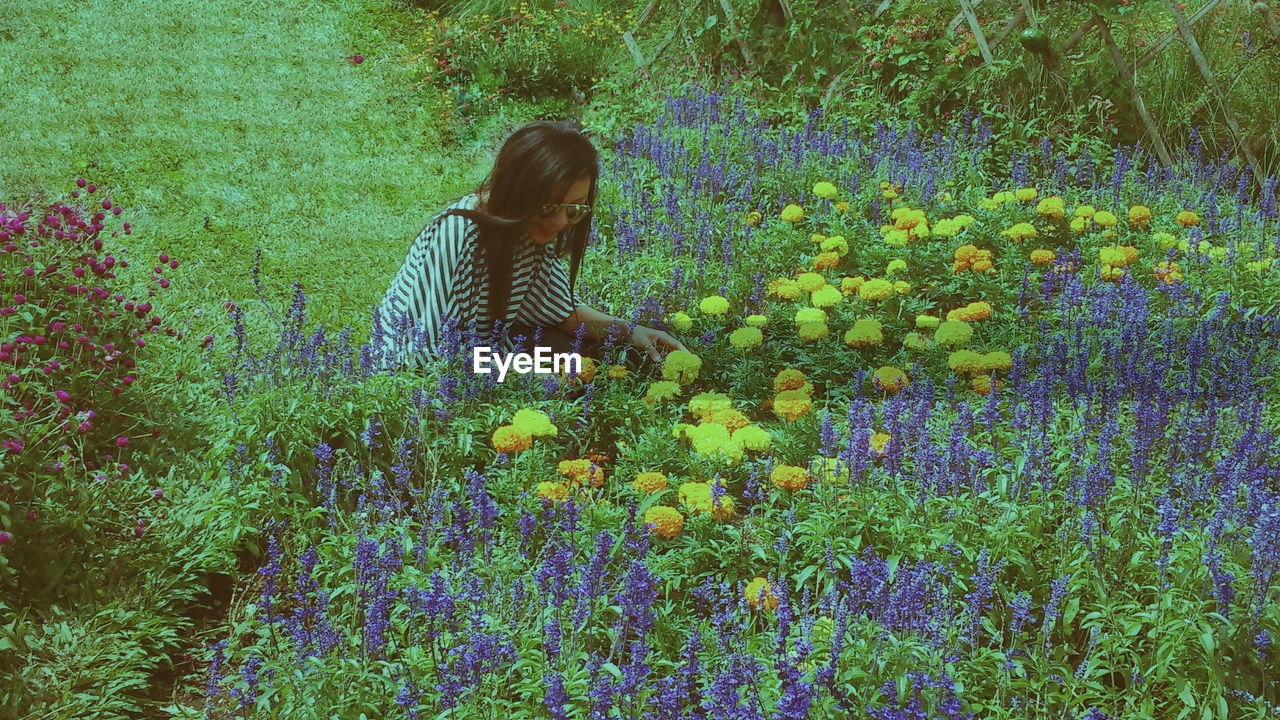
x=1185, y=694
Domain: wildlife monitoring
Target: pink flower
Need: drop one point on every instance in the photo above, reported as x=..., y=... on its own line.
x=158, y=493
x=122, y=441
x=63, y=396
x=5, y=538
x=80, y=182
x=355, y=59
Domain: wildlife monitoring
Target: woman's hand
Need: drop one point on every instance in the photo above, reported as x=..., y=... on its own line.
x=648, y=341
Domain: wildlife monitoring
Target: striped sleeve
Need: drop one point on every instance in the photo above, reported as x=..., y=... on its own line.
x=550, y=301
x=424, y=287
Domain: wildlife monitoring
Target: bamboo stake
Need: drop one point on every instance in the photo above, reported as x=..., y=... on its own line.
x=1194, y=48
x=1130, y=81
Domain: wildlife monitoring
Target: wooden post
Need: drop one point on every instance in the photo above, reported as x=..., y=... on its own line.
x=737, y=34
x=1014, y=23
x=958, y=20
x=1242, y=146
x=1077, y=36
x=1127, y=77
x=978, y=35
x=1163, y=42
x=1268, y=17
x=884, y=5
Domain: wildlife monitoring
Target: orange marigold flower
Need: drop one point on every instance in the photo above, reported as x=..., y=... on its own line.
x=667, y=522
x=509, y=440
x=789, y=477
x=1041, y=257
x=649, y=482
x=788, y=379
x=553, y=491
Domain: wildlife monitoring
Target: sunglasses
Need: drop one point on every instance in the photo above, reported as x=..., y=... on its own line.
x=573, y=212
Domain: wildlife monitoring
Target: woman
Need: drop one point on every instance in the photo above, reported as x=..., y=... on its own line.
x=491, y=260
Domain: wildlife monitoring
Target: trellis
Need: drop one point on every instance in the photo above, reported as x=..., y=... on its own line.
x=1026, y=15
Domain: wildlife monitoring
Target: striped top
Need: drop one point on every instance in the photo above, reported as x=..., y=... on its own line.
x=440, y=280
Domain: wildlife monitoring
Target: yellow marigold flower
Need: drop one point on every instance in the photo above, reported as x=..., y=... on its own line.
x=789, y=379
x=1025, y=194
x=966, y=253
x=756, y=321
x=810, y=281
x=1004, y=196
x=680, y=321
x=865, y=332
x=895, y=266
x=661, y=390
x=897, y=238
x=880, y=442
x=947, y=227
x=752, y=218
x=902, y=287
x=982, y=384
x=730, y=418
x=792, y=213
x=826, y=296
x=825, y=261
x=997, y=360
x=752, y=437
x=681, y=366
x=813, y=331
x=714, y=305
x=1111, y=255
x=953, y=333
x=553, y=491
x=1051, y=207
x=759, y=595
x=1187, y=218
x=1139, y=215
x=966, y=361
x=890, y=194
x=714, y=441
x=699, y=497
x=817, y=238
x=791, y=404
x=1042, y=257
x=784, y=288
x=1105, y=218
x=1084, y=211
x=1167, y=272
x=533, y=423
x=909, y=219
x=617, y=372
x=987, y=203
x=666, y=522
x=810, y=315
x=1258, y=266
x=825, y=190
x=850, y=285
x=965, y=221
x=1079, y=224
x=831, y=470
x=789, y=477
x=705, y=403
x=1165, y=240
x=927, y=321
x=646, y=483
x=510, y=440
x=842, y=207
x=747, y=337
x=916, y=341
x=1217, y=253
x=836, y=244
x=875, y=289
x=890, y=379
x=1020, y=231
x=581, y=471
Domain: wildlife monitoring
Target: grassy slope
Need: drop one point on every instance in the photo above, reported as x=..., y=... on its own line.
x=245, y=112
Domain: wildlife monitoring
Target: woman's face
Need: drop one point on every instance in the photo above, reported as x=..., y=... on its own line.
x=544, y=231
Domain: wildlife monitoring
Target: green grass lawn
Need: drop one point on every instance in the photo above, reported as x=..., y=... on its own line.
x=224, y=126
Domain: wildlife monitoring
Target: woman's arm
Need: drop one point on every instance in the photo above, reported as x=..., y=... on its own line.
x=600, y=324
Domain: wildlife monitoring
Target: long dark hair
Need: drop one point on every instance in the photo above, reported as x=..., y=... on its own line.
x=537, y=159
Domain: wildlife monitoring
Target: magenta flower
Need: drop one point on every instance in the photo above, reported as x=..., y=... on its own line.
x=63, y=396
x=5, y=538
x=122, y=441
x=355, y=59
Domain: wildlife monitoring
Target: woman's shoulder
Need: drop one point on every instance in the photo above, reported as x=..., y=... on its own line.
x=450, y=224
